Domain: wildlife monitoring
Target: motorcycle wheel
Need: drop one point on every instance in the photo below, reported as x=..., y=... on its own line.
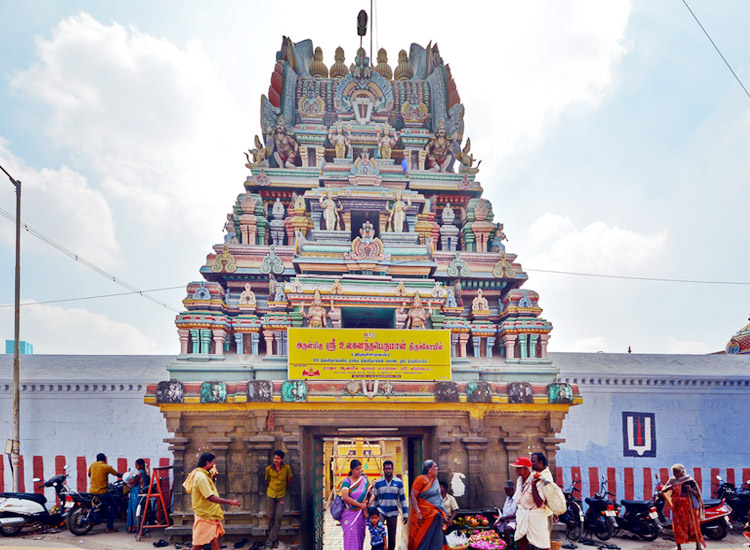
x=604, y=528
x=76, y=523
x=650, y=531
x=717, y=532
x=573, y=527
x=10, y=530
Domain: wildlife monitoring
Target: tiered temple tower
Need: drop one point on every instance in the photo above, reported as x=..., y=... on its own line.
x=362, y=210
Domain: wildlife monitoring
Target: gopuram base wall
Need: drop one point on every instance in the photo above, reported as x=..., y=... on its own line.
x=476, y=442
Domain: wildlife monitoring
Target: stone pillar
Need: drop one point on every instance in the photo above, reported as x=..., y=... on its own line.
x=195, y=336
x=239, y=340
x=463, y=338
x=454, y=344
x=254, y=338
x=346, y=215
x=475, y=448
x=444, y=448
x=411, y=222
x=268, y=335
x=219, y=446
x=514, y=448
x=220, y=337
x=490, y=345
x=383, y=222
x=182, y=502
x=184, y=340
x=316, y=217
x=292, y=444
x=476, y=342
x=544, y=338
x=509, y=341
x=551, y=446
x=532, y=344
x=259, y=448
x=523, y=340
x=280, y=336
x=319, y=155
x=205, y=341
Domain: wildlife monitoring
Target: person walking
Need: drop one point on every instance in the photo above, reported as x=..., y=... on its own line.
x=531, y=517
x=279, y=479
x=687, y=508
x=428, y=511
x=354, y=493
x=207, y=527
x=539, y=467
x=99, y=473
x=387, y=496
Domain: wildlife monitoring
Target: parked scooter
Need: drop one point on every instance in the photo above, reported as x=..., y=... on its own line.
x=737, y=499
x=716, y=523
x=19, y=510
x=573, y=516
x=87, y=510
x=640, y=517
x=599, y=518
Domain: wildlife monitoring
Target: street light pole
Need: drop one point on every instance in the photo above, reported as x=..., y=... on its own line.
x=16, y=447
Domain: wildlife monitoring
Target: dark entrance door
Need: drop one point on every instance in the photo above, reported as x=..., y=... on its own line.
x=318, y=493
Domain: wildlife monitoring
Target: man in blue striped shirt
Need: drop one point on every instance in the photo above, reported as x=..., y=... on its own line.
x=388, y=494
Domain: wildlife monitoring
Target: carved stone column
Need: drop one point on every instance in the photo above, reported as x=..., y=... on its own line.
x=239, y=340
x=551, y=446
x=195, y=336
x=444, y=448
x=205, y=341
x=182, y=504
x=523, y=340
x=463, y=338
x=490, y=345
x=254, y=340
x=184, y=340
x=454, y=344
x=220, y=336
x=476, y=343
x=219, y=446
x=475, y=448
x=292, y=444
x=532, y=344
x=514, y=448
x=268, y=335
x=509, y=341
x=544, y=339
x=259, y=447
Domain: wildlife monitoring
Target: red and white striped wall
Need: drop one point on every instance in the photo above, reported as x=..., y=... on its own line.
x=45, y=467
x=639, y=483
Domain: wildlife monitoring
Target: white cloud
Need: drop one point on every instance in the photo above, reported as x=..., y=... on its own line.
x=586, y=345
x=155, y=122
x=596, y=248
x=57, y=330
x=691, y=347
x=62, y=205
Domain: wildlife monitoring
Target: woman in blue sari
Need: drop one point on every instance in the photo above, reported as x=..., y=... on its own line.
x=141, y=484
x=354, y=492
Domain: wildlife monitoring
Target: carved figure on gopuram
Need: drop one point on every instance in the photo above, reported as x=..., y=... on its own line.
x=480, y=302
x=339, y=140
x=247, y=297
x=386, y=141
x=497, y=241
x=467, y=160
x=259, y=153
x=285, y=148
x=448, y=215
x=397, y=213
x=231, y=236
x=330, y=211
x=440, y=150
x=316, y=314
x=418, y=315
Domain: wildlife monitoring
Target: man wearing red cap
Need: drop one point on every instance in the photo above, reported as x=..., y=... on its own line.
x=531, y=516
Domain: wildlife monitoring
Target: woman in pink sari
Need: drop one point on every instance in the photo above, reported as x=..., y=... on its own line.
x=354, y=491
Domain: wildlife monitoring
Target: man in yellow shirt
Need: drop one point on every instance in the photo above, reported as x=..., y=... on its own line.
x=99, y=473
x=207, y=503
x=279, y=478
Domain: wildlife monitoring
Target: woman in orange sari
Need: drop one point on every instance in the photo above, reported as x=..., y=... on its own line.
x=428, y=514
x=687, y=508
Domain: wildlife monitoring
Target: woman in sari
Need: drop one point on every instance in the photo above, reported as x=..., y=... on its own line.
x=687, y=508
x=134, y=497
x=354, y=492
x=428, y=512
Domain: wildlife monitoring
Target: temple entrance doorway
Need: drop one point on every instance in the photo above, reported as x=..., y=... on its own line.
x=332, y=455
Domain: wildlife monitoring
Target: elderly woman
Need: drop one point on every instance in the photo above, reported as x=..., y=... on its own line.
x=428, y=512
x=687, y=508
x=354, y=492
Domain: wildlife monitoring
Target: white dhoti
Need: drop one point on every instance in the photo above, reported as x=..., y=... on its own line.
x=533, y=525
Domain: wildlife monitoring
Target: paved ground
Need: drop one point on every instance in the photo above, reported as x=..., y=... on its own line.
x=99, y=540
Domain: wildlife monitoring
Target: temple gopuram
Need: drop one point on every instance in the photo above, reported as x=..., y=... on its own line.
x=362, y=289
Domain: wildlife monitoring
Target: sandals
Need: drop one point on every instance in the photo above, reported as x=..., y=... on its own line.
x=161, y=543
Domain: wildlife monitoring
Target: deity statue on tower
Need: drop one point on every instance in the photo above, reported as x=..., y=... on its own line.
x=285, y=148
x=440, y=150
x=247, y=297
x=386, y=141
x=330, y=211
x=398, y=213
x=339, y=140
x=316, y=314
x=480, y=303
x=417, y=316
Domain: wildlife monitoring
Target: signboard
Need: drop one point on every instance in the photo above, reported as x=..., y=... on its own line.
x=345, y=354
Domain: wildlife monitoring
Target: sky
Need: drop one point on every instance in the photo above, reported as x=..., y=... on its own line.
x=614, y=142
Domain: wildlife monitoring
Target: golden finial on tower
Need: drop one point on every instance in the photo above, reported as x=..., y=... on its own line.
x=404, y=70
x=318, y=69
x=382, y=67
x=339, y=69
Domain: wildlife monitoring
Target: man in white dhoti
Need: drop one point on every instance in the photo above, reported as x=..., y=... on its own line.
x=531, y=516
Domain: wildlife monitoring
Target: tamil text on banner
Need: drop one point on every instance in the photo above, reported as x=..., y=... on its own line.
x=343, y=354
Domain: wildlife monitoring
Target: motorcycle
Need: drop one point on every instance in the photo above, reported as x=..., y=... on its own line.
x=573, y=516
x=87, y=510
x=19, y=510
x=640, y=518
x=715, y=524
x=737, y=499
x=600, y=517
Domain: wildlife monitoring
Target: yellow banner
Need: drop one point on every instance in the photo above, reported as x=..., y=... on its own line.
x=344, y=354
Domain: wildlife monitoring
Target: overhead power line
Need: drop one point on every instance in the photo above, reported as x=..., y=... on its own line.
x=93, y=297
x=716, y=48
x=638, y=278
x=44, y=238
